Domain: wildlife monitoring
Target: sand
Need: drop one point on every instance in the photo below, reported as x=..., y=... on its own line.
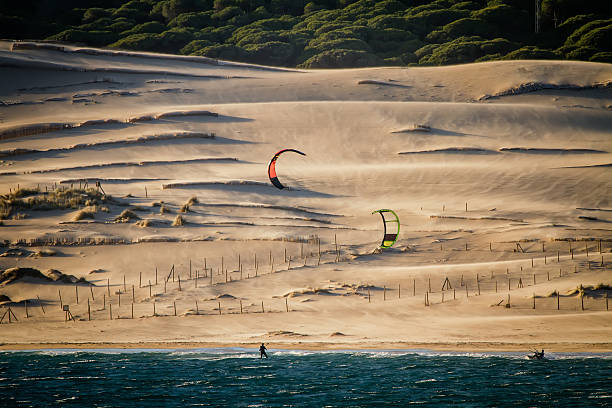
x=473, y=158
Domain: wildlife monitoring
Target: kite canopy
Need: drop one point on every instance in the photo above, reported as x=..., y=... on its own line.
x=389, y=238
x=272, y=167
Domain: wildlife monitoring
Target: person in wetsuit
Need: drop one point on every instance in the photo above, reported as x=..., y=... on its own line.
x=262, y=351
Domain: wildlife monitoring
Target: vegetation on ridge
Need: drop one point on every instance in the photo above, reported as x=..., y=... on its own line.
x=325, y=33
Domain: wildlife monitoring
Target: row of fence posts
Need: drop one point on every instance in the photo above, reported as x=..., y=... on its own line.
x=12, y=316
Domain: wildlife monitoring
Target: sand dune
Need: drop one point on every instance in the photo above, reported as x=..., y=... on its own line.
x=489, y=225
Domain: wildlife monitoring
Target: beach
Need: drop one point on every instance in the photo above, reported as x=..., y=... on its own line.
x=136, y=193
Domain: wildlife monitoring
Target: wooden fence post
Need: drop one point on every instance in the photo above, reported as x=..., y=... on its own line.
x=43, y=309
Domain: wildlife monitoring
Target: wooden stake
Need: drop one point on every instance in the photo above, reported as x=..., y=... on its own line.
x=119, y=294
x=154, y=311
x=156, y=276
x=132, y=310
x=40, y=304
x=110, y=311
x=124, y=287
x=286, y=305
x=103, y=301
x=92, y=294
x=399, y=291
x=241, y=307
x=369, y=299
x=60, y=299
x=534, y=300
x=88, y=310
x=179, y=281
x=534, y=279
x=174, y=304
x=557, y=256
x=149, y=291
x=414, y=287
x=140, y=280
x=262, y=307
x=581, y=301
x=558, y=296
x=108, y=287
x=532, y=262
x=190, y=269
x=25, y=303
x=76, y=291
x=384, y=292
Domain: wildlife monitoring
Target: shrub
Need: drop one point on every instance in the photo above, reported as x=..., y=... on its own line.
x=194, y=46
x=192, y=20
x=139, y=42
x=531, y=52
x=224, y=51
x=577, y=35
x=599, y=38
x=273, y=52
x=342, y=59
x=150, y=27
x=602, y=57
x=95, y=38
x=94, y=14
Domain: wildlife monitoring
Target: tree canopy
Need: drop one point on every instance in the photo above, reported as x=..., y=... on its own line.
x=325, y=33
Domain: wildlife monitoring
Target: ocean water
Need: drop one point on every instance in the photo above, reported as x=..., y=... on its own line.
x=238, y=378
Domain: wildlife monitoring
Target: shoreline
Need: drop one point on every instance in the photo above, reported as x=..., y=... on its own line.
x=589, y=348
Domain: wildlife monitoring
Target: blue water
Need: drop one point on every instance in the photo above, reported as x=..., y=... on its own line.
x=238, y=378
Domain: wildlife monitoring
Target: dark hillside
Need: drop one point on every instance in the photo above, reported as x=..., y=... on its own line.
x=325, y=33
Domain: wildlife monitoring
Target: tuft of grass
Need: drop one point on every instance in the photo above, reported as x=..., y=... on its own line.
x=179, y=221
x=157, y=203
x=193, y=200
x=603, y=286
x=145, y=223
x=163, y=209
x=85, y=213
x=105, y=209
x=126, y=216
x=184, y=208
x=19, y=216
x=46, y=252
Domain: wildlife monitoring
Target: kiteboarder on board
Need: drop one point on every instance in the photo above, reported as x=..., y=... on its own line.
x=262, y=351
x=537, y=355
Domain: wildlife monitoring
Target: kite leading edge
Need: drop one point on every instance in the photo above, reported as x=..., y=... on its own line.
x=272, y=167
x=388, y=238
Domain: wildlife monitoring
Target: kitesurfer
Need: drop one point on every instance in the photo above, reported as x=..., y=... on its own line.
x=262, y=351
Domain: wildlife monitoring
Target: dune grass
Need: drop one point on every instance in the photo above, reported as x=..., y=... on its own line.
x=36, y=200
x=179, y=221
x=126, y=216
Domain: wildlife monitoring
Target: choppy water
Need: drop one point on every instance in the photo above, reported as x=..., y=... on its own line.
x=234, y=377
